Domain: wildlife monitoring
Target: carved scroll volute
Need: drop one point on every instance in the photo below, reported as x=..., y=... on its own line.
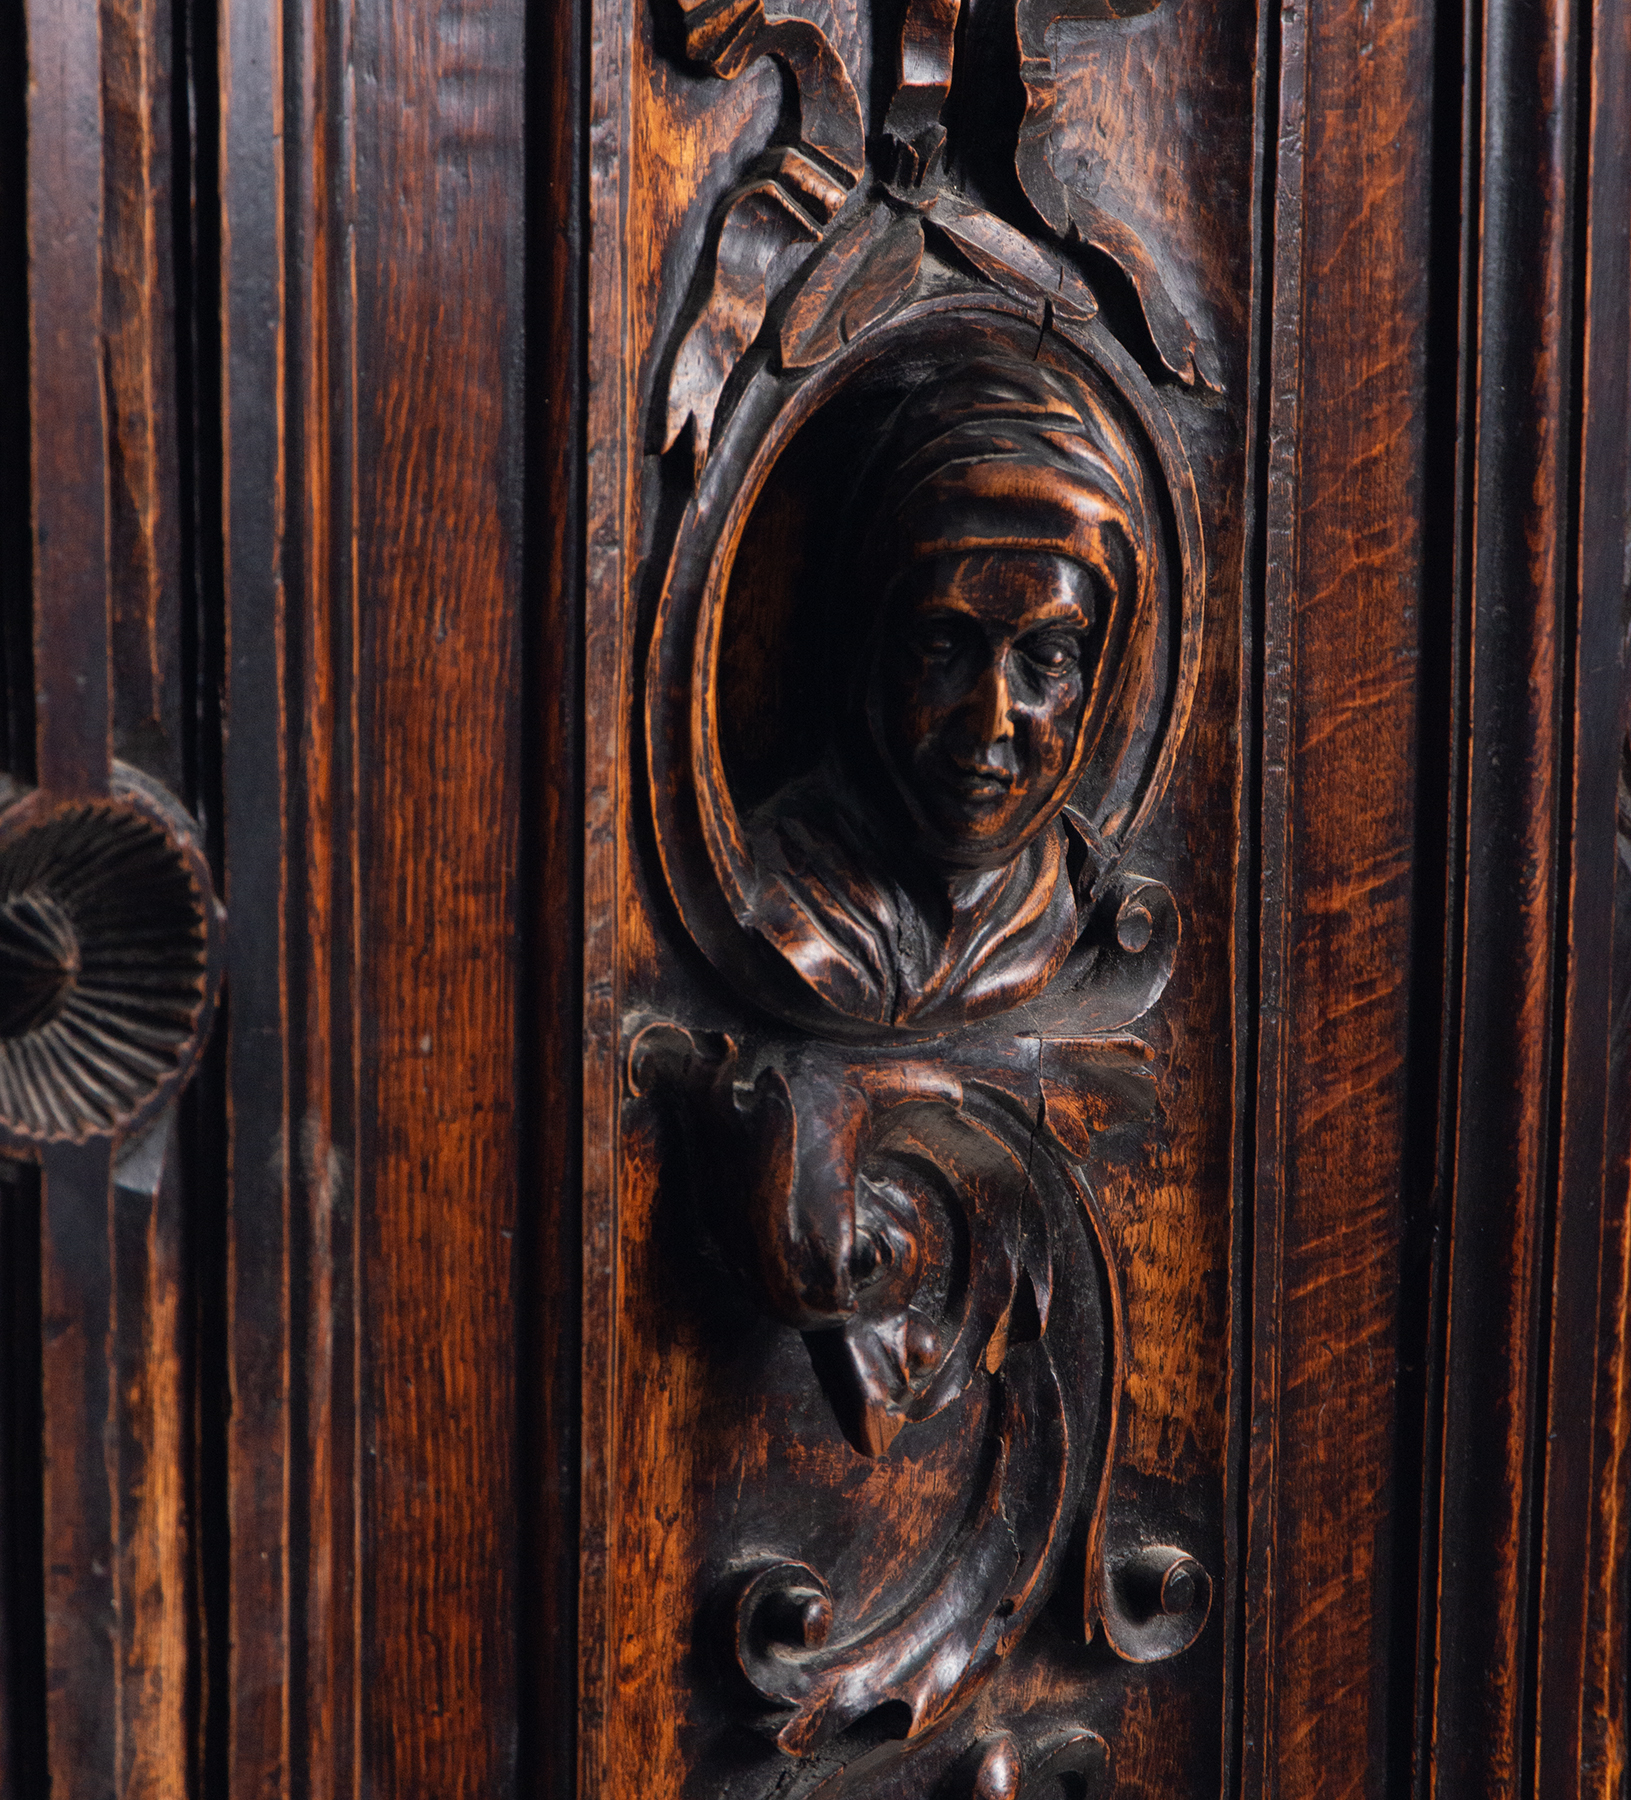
x=863, y=1184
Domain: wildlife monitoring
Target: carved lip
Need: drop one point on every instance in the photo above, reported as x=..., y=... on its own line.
x=982, y=784
x=979, y=784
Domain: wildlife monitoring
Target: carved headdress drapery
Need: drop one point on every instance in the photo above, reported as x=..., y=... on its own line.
x=1008, y=454
x=1005, y=453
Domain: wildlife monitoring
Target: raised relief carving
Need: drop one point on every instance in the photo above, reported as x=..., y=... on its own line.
x=924, y=651
x=928, y=871
x=909, y=1218
x=919, y=676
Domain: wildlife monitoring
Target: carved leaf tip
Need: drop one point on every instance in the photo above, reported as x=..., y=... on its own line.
x=865, y=273
x=764, y=223
x=1011, y=260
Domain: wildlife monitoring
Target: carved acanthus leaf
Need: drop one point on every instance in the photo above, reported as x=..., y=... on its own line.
x=1073, y=212
x=766, y=224
x=728, y=36
x=1010, y=259
x=856, y=280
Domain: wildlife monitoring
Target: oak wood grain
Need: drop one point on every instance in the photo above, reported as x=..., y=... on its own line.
x=450, y=1410
x=1342, y=524
x=436, y=514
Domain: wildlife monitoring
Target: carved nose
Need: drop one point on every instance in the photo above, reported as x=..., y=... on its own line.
x=909, y=1346
x=992, y=709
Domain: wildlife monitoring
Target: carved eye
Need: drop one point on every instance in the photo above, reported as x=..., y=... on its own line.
x=870, y=1260
x=938, y=636
x=934, y=640
x=1053, y=652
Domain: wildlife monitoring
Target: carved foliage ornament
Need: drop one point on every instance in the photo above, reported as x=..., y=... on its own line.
x=922, y=660
x=809, y=238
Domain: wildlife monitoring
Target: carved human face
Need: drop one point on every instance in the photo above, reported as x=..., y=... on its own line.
x=977, y=702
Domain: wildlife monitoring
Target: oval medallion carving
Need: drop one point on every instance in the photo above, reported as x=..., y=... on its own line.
x=924, y=654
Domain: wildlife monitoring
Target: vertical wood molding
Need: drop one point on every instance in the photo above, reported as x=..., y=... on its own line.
x=1539, y=736
x=326, y=1708
x=1343, y=534
x=68, y=403
x=144, y=464
x=254, y=785
x=1570, y=1756
x=82, y=1493
x=563, y=1348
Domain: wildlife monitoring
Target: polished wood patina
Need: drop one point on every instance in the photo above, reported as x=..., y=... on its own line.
x=815, y=899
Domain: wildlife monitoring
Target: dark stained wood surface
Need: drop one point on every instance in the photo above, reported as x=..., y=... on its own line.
x=327, y=1652
x=1542, y=726
x=1580, y=1736
x=680, y=1350
x=440, y=1402
x=1342, y=524
x=144, y=486
x=67, y=402
x=1516, y=569
x=261, y=1139
x=550, y=1238
x=80, y=1498
x=436, y=468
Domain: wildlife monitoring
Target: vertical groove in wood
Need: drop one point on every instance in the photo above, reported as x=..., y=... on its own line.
x=553, y=1267
x=1279, y=419
x=1593, y=730
x=1343, y=537
x=1254, y=1247
x=254, y=799
x=144, y=468
x=610, y=424
x=323, y=1575
x=84, y=1701
x=68, y=407
x=1606, y=1686
x=1516, y=770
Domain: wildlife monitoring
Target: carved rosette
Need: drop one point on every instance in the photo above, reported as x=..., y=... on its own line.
x=894, y=1154
x=109, y=962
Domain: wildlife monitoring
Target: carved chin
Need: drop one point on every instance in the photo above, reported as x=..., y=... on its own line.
x=967, y=826
x=970, y=834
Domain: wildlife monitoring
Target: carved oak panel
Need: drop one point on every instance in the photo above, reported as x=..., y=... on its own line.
x=926, y=874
